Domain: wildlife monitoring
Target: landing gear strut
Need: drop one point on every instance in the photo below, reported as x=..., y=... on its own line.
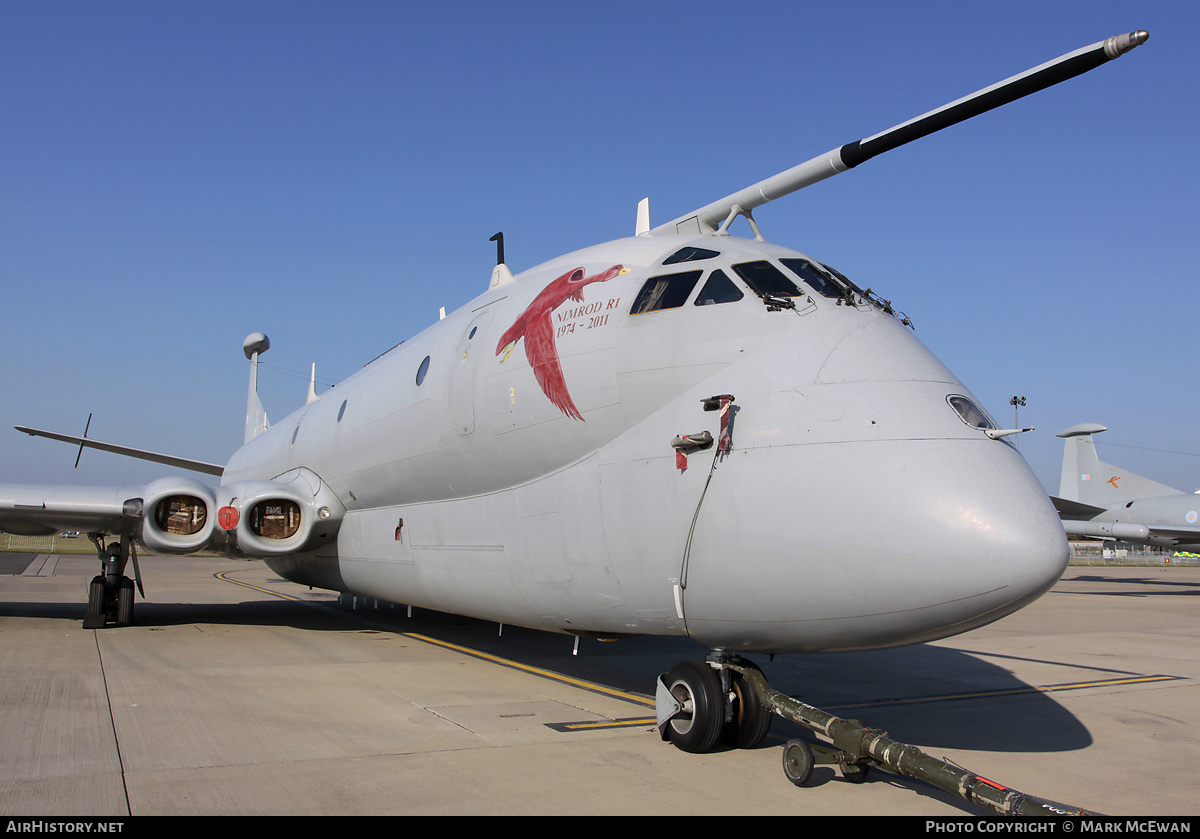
x=727, y=697
x=110, y=593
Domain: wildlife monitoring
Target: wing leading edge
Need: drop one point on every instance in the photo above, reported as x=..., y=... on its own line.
x=129, y=451
x=30, y=510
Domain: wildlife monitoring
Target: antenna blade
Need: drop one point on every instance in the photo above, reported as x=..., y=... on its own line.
x=85, y=431
x=312, y=386
x=643, y=217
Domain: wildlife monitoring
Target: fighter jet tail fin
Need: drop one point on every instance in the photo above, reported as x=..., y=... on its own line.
x=1088, y=480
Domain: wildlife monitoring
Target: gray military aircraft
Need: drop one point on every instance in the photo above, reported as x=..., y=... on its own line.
x=1105, y=501
x=680, y=433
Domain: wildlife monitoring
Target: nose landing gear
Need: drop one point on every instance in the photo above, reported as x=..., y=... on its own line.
x=692, y=691
x=701, y=703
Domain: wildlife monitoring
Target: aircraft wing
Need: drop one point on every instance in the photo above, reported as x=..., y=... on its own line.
x=169, y=515
x=42, y=510
x=174, y=515
x=1075, y=509
x=128, y=451
x=1080, y=519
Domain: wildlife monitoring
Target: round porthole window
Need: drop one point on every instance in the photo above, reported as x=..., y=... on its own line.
x=422, y=370
x=341, y=411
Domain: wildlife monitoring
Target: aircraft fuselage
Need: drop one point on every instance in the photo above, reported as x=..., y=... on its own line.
x=855, y=508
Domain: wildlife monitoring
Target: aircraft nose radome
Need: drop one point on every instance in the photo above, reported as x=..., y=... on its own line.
x=948, y=535
x=1012, y=544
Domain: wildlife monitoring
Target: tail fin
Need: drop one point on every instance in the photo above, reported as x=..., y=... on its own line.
x=1086, y=479
x=256, y=417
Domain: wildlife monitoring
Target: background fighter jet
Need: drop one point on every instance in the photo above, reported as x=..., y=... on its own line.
x=1099, y=499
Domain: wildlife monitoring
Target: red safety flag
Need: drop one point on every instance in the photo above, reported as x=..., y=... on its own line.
x=723, y=442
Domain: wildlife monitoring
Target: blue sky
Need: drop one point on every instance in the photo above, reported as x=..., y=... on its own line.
x=174, y=176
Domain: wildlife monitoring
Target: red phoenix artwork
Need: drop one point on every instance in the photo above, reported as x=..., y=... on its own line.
x=535, y=327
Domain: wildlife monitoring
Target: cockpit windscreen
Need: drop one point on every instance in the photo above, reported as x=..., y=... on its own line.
x=766, y=280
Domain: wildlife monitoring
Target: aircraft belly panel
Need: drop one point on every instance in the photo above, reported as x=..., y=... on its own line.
x=450, y=557
x=534, y=555
x=564, y=555
x=646, y=510
x=319, y=571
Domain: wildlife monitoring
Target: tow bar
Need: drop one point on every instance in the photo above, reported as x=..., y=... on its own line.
x=855, y=748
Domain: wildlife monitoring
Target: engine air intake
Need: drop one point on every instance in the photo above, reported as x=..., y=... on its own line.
x=275, y=519
x=181, y=515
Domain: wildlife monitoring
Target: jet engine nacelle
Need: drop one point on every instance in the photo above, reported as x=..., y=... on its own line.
x=1109, y=529
x=177, y=516
x=296, y=512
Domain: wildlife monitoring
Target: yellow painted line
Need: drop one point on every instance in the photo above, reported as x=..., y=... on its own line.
x=221, y=576
x=516, y=665
x=548, y=674
x=949, y=697
x=595, y=725
x=585, y=726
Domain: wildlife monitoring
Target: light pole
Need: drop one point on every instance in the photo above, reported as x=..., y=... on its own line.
x=1016, y=402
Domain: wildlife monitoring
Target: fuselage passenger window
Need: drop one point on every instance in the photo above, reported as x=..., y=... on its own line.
x=666, y=292
x=718, y=289
x=766, y=280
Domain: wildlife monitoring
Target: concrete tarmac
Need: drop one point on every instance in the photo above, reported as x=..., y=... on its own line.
x=235, y=692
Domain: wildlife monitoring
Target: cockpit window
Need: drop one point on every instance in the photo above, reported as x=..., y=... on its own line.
x=970, y=413
x=766, y=280
x=718, y=289
x=669, y=291
x=846, y=281
x=689, y=254
x=816, y=279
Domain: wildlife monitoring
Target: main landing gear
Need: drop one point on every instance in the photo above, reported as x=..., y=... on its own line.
x=727, y=698
x=110, y=593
